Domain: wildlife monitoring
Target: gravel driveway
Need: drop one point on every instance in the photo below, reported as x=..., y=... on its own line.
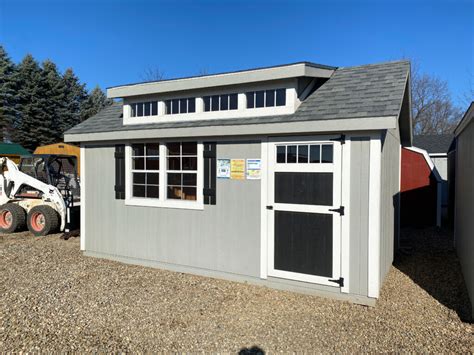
x=55, y=299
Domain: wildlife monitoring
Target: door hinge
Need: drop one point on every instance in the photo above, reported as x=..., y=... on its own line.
x=341, y=139
x=339, y=210
x=339, y=281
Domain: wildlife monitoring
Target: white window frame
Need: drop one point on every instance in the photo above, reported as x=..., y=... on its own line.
x=163, y=201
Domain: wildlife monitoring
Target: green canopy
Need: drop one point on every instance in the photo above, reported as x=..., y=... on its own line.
x=12, y=149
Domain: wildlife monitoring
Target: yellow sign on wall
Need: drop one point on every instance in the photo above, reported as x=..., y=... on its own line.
x=237, y=169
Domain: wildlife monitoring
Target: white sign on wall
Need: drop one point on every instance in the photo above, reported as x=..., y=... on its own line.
x=223, y=168
x=254, y=169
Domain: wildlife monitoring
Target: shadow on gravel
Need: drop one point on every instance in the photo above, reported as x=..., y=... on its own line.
x=428, y=257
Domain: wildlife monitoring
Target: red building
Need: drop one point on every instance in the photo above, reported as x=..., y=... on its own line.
x=420, y=189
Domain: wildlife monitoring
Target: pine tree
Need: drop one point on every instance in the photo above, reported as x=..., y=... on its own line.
x=95, y=102
x=76, y=94
x=54, y=102
x=8, y=88
x=32, y=125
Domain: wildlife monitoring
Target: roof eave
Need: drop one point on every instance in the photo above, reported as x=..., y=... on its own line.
x=216, y=80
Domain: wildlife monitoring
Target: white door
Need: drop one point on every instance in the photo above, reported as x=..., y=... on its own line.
x=304, y=209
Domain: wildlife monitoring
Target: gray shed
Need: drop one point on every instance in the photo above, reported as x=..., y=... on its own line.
x=464, y=198
x=285, y=176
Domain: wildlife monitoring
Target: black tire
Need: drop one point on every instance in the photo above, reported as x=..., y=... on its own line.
x=12, y=218
x=42, y=220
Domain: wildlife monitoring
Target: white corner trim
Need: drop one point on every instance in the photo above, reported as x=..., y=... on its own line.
x=263, y=210
x=374, y=217
x=83, y=198
x=346, y=219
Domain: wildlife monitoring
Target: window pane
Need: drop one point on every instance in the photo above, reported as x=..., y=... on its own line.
x=192, y=104
x=173, y=148
x=189, y=193
x=281, y=97
x=259, y=95
x=281, y=152
x=152, y=149
x=189, y=148
x=174, y=192
x=138, y=191
x=147, y=108
x=152, y=191
x=224, y=102
x=189, y=179
x=153, y=163
x=233, y=102
x=270, y=98
x=302, y=154
x=138, y=163
x=138, y=149
x=291, y=154
x=327, y=153
x=154, y=108
x=207, y=103
x=133, y=110
x=174, y=179
x=175, y=106
x=183, y=105
x=139, y=178
x=250, y=99
x=215, y=103
x=140, y=109
x=189, y=163
x=174, y=163
x=314, y=154
x=152, y=178
x=168, y=107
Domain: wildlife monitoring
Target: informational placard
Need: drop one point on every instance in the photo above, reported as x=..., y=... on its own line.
x=223, y=168
x=254, y=169
x=237, y=169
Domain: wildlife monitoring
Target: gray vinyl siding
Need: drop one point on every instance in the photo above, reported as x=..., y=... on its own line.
x=389, y=195
x=224, y=237
x=359, y=222
x=464, y=206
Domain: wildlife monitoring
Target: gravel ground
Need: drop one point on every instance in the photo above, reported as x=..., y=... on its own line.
x=55, y=299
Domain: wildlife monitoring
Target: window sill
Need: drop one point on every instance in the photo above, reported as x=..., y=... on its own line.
x=177, y=204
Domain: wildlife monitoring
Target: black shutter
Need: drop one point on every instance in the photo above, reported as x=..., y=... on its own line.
x=210, y=173
x=120, y=172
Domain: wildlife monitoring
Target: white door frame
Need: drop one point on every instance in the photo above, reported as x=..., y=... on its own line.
x=268, y=215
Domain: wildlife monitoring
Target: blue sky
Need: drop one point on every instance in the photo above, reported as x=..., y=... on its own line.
x=109, y=43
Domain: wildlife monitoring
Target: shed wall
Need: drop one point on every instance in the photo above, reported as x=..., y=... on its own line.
x=464, y=206
x=222, y=240
x=390, y=199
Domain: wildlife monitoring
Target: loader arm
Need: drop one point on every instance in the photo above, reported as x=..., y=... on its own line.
x=12, y=179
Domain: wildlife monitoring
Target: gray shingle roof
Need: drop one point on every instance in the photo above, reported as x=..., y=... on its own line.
x=374, y=90
x=436, y=143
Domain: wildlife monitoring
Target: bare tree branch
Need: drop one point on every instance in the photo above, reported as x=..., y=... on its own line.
x=433, y=110
x=152, y=74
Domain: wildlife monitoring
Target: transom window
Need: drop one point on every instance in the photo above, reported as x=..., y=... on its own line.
x=266, y=98
x=182, y=162
x=175, y=106
x=304, y=153
x=220, y=102
x=146, y=170
x=140, y=109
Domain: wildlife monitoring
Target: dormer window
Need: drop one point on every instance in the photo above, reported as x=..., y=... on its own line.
x=140, y=109
x=220, y=102
x=175, y=106
x=266, y=98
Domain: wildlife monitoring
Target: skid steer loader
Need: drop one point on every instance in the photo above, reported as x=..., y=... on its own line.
x=41, y=193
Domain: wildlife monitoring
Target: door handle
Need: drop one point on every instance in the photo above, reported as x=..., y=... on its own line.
x=269, y=207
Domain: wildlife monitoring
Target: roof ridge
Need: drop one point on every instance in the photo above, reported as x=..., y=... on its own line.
x=375, y=64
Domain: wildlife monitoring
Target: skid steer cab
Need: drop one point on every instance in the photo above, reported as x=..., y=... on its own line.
x=41, y=194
